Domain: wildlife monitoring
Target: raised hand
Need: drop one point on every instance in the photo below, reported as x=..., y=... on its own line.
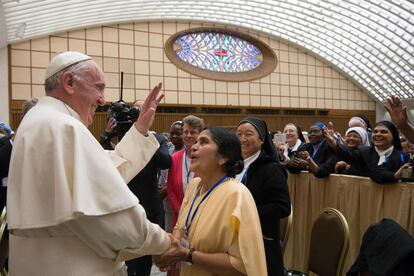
x=147, y=112
x=110, y=125
x=330, y=129
x=328, y=133
x=397, y=112
x=398, y=115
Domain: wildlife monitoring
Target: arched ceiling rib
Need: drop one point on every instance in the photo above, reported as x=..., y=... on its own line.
x=371, y=41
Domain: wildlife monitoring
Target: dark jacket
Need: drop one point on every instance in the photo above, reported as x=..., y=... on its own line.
x=145, y=184
x=5, y=155
x=266, y=180
x=366, y=160
x=324, y=158
x=386, y=250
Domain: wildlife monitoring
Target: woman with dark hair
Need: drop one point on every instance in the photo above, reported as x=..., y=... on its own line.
x=383, y=161
x=266, y=179
x=218, y=224
x=319, y=158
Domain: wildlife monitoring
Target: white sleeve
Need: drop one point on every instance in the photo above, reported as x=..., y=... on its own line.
x=121, y=236
x=286, y=161
x=133, y=153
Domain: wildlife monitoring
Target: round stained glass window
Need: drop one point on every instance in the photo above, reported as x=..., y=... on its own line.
x=220, y=54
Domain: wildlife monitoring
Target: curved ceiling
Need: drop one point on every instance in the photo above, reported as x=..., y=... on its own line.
x=372, y=41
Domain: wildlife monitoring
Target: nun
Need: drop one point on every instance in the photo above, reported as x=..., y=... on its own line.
x=316, y=155
x=383, y=161
x=266, y=179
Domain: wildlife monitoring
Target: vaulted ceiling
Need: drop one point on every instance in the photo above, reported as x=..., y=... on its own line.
x=371, y=41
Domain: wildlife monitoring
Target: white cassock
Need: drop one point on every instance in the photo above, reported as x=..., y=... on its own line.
x=70, y=211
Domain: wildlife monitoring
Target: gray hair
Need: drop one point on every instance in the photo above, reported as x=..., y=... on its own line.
x=53, y=81
x=194, y=122
x=27, y=105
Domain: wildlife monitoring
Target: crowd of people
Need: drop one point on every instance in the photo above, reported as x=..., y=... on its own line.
x=92, y=205
x=376, y=153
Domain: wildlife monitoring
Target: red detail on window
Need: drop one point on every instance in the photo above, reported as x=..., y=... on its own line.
x=221, y=52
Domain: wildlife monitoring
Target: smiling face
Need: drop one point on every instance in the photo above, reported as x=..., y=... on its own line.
x=190, y=135
x=291, y=134
x=205, y=159
x=353, y=140
x=88, y=91
x=176, y=136
x=315, y=135
x=382, y=137
x=249, y=139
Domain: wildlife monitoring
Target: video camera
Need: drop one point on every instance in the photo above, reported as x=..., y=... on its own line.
x=124, y=116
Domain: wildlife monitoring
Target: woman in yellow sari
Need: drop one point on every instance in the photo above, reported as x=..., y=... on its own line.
x=218, y=224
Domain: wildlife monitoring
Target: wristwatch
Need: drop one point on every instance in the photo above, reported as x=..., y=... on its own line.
x=189, y=258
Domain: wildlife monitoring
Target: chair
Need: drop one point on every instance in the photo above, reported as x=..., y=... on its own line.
x=329, y=243
x=4, y=242
x=285, y=228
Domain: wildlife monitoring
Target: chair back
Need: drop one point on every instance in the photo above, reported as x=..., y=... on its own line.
x=329, y=243
x=4, y=242
x=285, y=229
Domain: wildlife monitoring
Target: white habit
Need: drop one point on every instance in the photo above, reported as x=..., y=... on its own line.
x=70, y=211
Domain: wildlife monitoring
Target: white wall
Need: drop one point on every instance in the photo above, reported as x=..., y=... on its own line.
x=4, y=85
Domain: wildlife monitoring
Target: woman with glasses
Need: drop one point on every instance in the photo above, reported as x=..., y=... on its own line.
x=266, y=180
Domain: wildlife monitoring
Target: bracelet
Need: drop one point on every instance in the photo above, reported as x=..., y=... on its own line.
x=189, y=258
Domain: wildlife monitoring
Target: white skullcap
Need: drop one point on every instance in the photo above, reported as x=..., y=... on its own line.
x=361, y=132
x=64, y=60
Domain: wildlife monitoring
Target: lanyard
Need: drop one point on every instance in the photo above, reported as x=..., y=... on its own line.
x=244, y=178
x=187, y=223
x=187, y=169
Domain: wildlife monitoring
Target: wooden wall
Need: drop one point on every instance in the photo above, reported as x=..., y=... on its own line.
x=275, y=122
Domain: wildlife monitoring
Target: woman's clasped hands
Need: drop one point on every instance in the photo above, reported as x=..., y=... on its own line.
x=173, y=256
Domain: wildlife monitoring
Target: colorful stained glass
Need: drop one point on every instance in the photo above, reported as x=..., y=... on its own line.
x=218, y=52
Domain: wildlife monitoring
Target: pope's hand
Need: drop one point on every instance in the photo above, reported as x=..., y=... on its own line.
x=147, y=112
x=176, y=253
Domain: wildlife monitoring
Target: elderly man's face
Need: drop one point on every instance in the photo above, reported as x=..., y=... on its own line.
x=89, y=92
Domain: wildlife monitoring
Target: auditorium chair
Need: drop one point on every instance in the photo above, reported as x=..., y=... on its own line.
x=4, y=243
x=329, y=243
